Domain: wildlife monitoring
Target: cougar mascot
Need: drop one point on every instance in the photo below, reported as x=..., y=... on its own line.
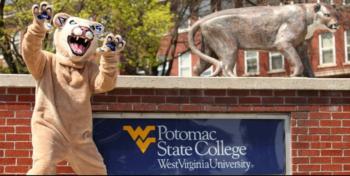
x=65, y=80
x=271, y=28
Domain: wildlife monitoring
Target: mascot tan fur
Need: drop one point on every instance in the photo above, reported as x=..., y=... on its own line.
x=62, y=117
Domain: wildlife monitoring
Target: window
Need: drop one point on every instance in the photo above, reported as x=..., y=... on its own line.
x=327, y=51
x=185, y=64
x=160, y=68
x=251, y=62
x=346, y=2
x=207, y=72
x=325, y=1
x=204, y=8
x=185, y=21
x=17, y=40
x=276, y=61
x=347, y=45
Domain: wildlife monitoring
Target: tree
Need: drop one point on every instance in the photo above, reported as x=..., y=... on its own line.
x=141, y=22
x=180, y=9
x=7, y=43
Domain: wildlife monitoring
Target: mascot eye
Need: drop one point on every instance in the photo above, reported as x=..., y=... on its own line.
x=327, y=15
x=72, y=22
x=99, y=29
x=92, y=27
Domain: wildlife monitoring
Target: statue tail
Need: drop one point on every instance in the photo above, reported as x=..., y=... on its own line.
x=194, y=28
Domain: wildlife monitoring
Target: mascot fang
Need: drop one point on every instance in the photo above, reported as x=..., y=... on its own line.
x=65, y=80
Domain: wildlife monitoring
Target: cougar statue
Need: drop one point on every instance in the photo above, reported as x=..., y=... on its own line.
x=271, y=28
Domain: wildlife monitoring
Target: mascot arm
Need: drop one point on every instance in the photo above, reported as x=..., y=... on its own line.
x=33, y=55
x=107, y=72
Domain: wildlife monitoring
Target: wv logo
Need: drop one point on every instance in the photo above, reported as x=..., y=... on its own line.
x=140, y=136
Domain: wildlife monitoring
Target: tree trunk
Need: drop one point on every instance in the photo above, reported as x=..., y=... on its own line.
x=262, y=2
x=8, y=57
x=215, y=5
x=2, y=5
x=5, y=44
x=170, y=52
x=238, y=3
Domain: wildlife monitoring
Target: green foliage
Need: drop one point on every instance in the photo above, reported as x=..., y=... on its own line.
x=142, y=23
x=4, y=70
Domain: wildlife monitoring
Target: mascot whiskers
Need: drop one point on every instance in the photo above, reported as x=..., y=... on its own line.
x=65, y=80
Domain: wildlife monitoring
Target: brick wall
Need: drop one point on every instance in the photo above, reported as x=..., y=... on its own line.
x=320, y=120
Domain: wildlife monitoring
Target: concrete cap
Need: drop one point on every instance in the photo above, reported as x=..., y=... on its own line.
x=171, y=82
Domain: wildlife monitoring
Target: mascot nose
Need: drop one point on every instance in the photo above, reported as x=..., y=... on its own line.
x=77, y=31
x=85, y=31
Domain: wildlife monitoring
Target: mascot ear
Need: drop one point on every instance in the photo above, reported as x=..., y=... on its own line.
x=60, y=19
x=317, y=7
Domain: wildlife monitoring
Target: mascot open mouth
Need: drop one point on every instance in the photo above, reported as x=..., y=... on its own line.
x=78, y=44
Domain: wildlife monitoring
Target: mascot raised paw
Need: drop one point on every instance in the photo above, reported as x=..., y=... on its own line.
x=65, y=80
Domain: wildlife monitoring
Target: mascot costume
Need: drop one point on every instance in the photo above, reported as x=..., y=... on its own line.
x=62, y=118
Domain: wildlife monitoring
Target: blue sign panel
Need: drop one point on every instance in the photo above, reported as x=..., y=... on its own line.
x=191, y=147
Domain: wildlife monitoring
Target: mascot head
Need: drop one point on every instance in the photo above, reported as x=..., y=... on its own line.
x=326, y=17
x=76, y=38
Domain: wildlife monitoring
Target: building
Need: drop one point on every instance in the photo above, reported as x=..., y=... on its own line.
x=329, y=53
x=313, y=136
x=16, y=40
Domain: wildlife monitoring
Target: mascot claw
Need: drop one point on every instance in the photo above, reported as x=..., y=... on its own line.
x=43, y=13
x=112, y=44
